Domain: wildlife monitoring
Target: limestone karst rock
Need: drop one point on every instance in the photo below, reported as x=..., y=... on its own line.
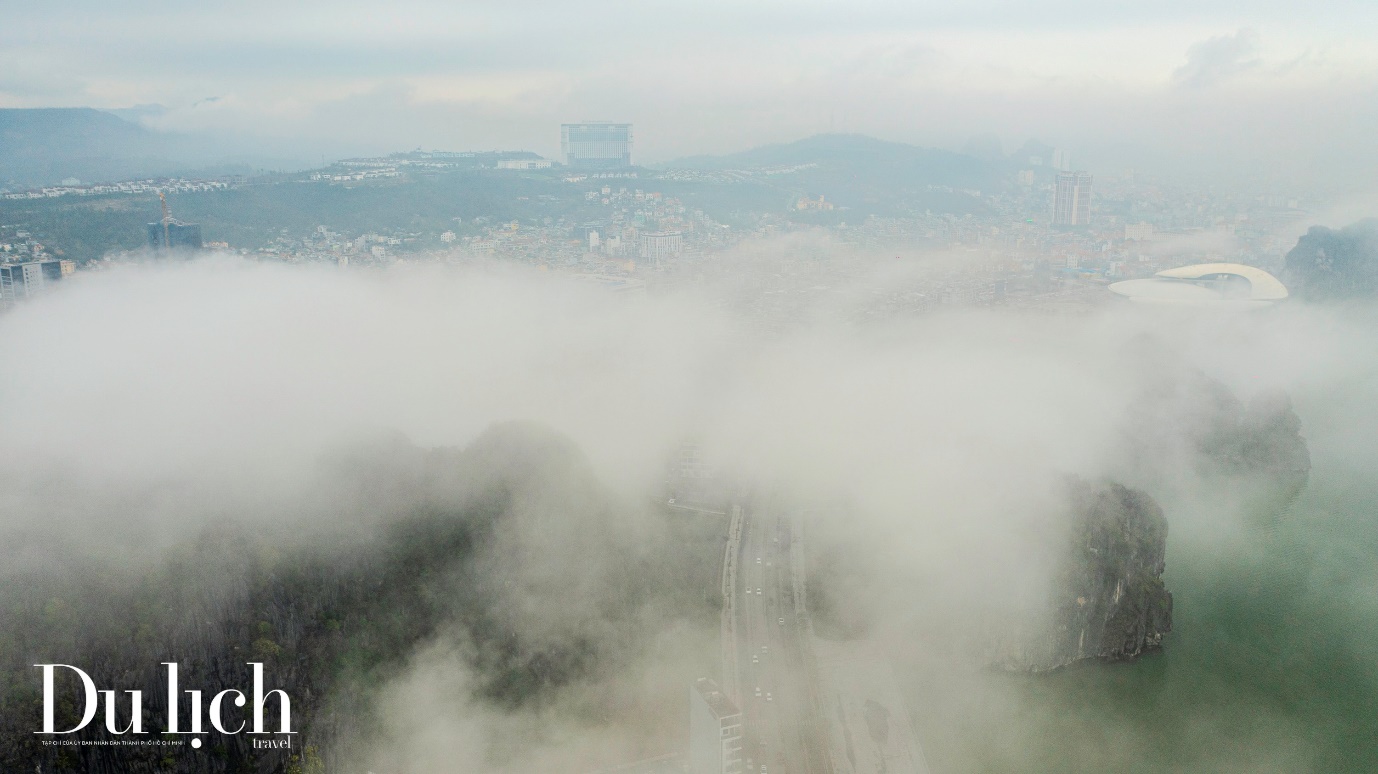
x=1106, y=599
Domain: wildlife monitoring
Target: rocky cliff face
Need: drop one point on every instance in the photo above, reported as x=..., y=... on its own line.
x=1333, y=265
x=1107, y=599
x=510, y=548
x=1260, y=440
x=1184, y=424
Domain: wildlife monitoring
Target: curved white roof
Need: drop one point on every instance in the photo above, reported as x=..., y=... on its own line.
x=1265, y=286
x=1206, y=284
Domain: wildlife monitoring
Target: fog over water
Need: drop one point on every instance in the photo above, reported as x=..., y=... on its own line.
x=155, y=402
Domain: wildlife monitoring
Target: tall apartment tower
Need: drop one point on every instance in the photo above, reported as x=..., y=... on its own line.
x=1072, y=199
x=715, y=731
x=596, y=145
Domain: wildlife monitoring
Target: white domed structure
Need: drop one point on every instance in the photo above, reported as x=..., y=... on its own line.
x=1221, y=285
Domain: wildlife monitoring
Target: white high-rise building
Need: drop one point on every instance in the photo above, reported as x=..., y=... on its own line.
x=657, y=246
x=1072, y=199
x=25, y=280
x=715, y=731
x=597, y=145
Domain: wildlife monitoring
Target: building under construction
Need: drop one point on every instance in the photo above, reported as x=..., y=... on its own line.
x=174, y=235
x=169, y=234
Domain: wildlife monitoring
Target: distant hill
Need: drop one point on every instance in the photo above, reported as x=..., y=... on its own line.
x=44, y=146
x=855, y=152
x=862, y=172
x=1033, y=149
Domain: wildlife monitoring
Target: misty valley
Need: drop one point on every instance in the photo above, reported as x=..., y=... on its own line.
x=545, y=596
x=688, y=388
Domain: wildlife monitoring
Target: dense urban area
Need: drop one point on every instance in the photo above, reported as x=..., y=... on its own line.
x=1024, y=229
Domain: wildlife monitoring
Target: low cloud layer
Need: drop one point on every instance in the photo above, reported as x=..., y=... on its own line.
x=1212, y=61
x=928, y=446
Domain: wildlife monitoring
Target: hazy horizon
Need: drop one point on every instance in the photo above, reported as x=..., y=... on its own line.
x=1179, y=87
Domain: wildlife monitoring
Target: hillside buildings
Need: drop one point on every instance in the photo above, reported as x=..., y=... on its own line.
x=810, y=203
x=523, y=164
x=1138, y=232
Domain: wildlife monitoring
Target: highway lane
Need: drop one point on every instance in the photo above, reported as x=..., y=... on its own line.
x=777, y=691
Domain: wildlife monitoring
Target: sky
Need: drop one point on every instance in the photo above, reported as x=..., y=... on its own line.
x=1221, y=84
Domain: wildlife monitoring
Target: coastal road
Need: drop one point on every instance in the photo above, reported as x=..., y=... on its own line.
x=777, y=686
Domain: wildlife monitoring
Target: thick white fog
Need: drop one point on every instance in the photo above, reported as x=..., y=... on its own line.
x=932, y=446
x=220, y=367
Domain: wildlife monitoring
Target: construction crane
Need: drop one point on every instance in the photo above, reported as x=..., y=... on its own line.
x=167, y=219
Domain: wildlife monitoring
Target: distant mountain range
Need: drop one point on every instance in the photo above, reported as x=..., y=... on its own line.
x=861, y=172
x=854, y=152
x=45, y=146
x=857, y=174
